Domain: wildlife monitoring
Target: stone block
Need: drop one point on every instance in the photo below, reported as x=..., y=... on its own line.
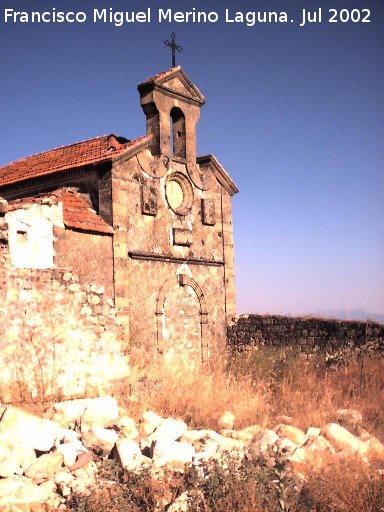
x=375, y=449
x=173, y=453
x=14, y=458
x=182, y=236
x=170, y=429
x=127, y=427
x=208, y=212
x=226, y=420
x=16, y=492
x=342, y=439
x=71, y=451
x=27, y=429
x=149, y=201
x=296, y=435
x=100, y=439
x=45, y=467
x=128, y=453
x=99, y=412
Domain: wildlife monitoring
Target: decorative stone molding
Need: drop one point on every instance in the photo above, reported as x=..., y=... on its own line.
x=208, y=213
x=169, y=258
x=183, y=281
x=149, y=203
x=182, y=236
x=154, y=166
x=184, y=203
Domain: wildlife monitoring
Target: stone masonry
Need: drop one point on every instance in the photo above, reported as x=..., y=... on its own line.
x=308, y=334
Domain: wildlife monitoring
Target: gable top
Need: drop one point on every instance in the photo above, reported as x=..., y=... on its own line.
x=77, y=213
x=219, y=172
x=173, y=81
x=158, y=76
x=92, y=151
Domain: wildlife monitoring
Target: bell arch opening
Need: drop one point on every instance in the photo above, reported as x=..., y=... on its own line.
x=179, y=143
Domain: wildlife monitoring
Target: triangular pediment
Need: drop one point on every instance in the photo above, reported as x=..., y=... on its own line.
x=175, y=82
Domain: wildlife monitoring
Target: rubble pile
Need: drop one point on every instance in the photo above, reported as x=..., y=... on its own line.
x=45, y=460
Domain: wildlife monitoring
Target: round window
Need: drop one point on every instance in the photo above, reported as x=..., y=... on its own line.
x=175, y=194
x=179, y=193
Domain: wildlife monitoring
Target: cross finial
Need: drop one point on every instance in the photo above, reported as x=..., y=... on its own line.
x=172, y=44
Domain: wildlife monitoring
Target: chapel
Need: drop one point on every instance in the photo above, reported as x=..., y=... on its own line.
x=147, y=219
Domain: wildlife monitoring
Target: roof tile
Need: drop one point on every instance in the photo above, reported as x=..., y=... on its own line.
x=87, y=152
x=159, y=75
x=77, y=213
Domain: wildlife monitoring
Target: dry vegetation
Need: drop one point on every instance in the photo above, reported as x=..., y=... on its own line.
x=254, y=486
x=258, y=386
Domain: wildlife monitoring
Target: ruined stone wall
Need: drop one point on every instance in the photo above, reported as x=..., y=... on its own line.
x=89, y=255
x=310, y=334
x=57, y=335
x=154, y=247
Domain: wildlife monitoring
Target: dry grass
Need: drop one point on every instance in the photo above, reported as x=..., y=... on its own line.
x=199, y=395
x=310, y=393
x=344, y=486
x=258, y=386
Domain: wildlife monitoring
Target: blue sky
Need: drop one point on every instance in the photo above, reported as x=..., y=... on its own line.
x=295, y=114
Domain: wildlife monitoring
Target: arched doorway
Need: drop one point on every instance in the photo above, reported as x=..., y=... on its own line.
x=181, y=320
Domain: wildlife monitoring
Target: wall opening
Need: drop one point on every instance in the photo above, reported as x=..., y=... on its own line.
x=178, y=133
x=153, y=126
x=21, y=237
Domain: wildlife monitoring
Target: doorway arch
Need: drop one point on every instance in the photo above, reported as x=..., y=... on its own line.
x=182, y=318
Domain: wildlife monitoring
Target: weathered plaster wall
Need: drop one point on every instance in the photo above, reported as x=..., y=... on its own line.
x=36, y=238
x=30, y=234
x=310, y=334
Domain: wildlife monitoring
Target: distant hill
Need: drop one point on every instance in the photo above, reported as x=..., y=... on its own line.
x=355, y=314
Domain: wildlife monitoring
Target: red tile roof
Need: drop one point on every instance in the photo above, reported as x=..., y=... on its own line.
x=77, y=213
x=160, y=75
x=92, y=151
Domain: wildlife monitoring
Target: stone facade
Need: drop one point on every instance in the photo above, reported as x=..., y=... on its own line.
x=148, y=220
x=173, y=284
x=172, y=218
x=309, y=334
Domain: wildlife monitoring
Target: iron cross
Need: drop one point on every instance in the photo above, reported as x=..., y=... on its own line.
x=172, y=44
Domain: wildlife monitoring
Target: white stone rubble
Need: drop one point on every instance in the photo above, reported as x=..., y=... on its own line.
x=99, y=438
x=25, y=428
x=44, y=461
x=227, y=421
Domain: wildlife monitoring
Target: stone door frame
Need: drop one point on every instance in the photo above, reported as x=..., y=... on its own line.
x=169, y=283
